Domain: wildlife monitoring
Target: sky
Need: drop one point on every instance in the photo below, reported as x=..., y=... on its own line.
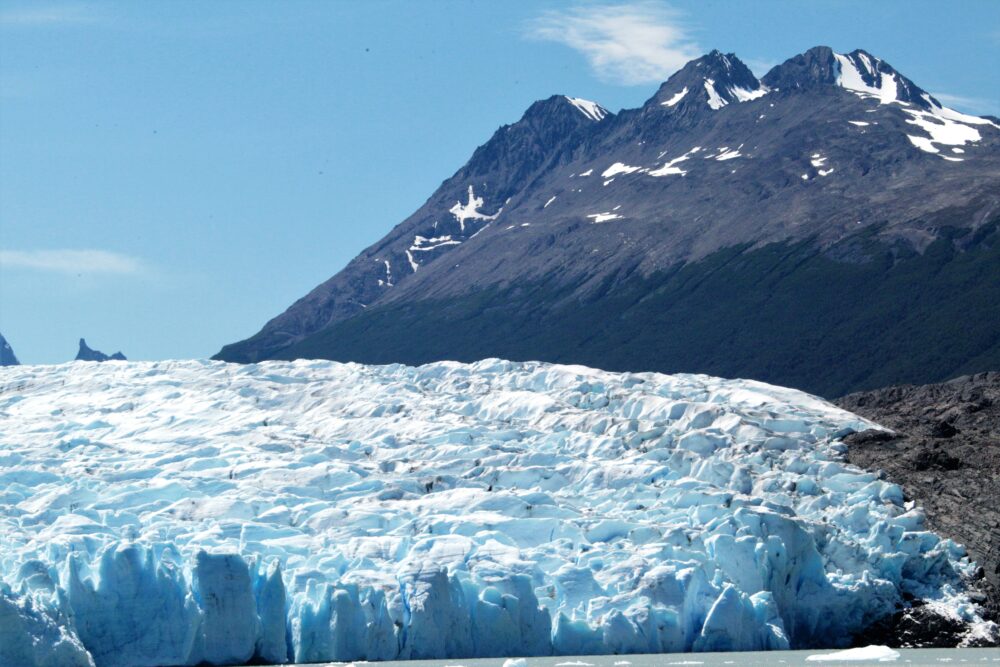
x=174, y=174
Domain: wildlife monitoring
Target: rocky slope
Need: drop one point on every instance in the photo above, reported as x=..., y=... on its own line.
x=945, y=453
x=742, y=227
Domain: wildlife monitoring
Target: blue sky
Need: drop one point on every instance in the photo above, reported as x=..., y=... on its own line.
x=173, y=174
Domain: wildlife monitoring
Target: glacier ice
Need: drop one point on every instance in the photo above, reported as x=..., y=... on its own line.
x=199, y=512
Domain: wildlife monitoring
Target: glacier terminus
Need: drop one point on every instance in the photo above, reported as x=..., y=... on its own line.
x=189, y=512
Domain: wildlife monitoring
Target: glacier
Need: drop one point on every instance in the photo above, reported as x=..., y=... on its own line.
x=190, y=512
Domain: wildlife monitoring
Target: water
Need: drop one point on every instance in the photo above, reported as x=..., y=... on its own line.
x=950, y=657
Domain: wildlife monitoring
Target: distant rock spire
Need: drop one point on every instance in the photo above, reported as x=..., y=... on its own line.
x=7, y=356
x=87, y=354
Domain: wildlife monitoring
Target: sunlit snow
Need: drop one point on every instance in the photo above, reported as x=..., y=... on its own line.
x=591, y=110
x=676, y=98
x=669, y=168
x=470, y=210
x=618, y=168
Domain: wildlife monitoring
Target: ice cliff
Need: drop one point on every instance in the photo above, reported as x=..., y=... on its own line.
x=186, y=512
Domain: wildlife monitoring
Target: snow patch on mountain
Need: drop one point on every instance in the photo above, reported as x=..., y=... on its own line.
x=190, y=511
x=388, y=274
x=676, y=98
x=943, y=129
x=619, y=168
x=669, y=168
x=744, y=95
x=591, y=110
x=715, y=101
x=422, y=244
x=885, y=88
x=726, y=154
x=470, y=210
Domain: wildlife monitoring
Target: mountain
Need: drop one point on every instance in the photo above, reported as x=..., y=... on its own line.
x=324, y=512
x=830, y=226
x=87, y=354
x=7, y=356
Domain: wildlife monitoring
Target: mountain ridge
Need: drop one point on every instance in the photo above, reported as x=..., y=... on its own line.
x=824, y=147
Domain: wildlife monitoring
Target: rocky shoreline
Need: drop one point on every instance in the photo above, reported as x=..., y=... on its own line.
x=945, y=453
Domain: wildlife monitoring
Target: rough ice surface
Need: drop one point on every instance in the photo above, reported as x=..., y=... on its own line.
x=193, y=511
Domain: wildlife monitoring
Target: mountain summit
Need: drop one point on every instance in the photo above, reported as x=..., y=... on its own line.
x=830, y=226
x=714, y=80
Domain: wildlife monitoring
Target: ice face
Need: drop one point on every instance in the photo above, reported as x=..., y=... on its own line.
x=189, y=512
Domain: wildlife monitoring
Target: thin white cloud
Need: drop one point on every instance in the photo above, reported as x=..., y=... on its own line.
x=71, y=261
x=42, y=15
x=628, y=43
x=971, y=104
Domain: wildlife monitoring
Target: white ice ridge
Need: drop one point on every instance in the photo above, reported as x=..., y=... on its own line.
x=470, y=210
x=591, y=110
x=309, y=511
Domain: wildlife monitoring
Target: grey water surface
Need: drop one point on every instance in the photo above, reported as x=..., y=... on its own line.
x=939, y=657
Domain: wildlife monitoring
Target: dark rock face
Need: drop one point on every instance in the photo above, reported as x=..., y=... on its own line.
x=87, y=354
x=7, y=356
x=946, y=456
x=918, y=626
x=788, y=314
x=826, y=169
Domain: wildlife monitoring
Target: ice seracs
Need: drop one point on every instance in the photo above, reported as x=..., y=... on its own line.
x=188, y=512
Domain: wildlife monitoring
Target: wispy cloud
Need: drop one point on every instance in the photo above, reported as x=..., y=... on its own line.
x=47, y=15
x=71, y=261
x=971, y=104
x=628, y=43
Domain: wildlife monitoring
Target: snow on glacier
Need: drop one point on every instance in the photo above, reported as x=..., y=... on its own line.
x=194, y=511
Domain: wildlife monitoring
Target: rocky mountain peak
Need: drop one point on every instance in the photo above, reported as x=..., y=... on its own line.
x=87, y=354
x=714, y=80
x=7, y=356
x=857, y=71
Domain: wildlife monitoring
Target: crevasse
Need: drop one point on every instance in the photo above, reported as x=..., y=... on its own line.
x=198, y=512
